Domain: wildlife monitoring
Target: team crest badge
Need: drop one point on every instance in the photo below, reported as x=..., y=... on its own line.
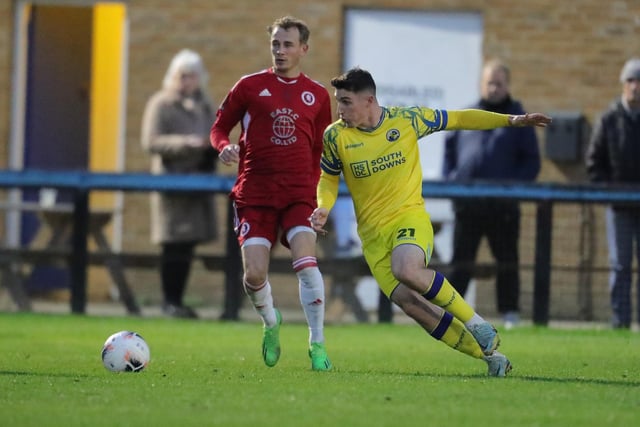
x=308, y=98
x=393, y=135
x=244, y=229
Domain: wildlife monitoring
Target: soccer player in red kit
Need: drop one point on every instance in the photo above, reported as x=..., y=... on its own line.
x=283, y=115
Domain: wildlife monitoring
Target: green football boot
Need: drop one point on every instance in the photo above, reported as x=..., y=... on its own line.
x=319, y=359
x=271, y=342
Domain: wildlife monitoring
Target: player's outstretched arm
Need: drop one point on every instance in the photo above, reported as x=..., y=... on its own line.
x=530, y=119
x=475, y=119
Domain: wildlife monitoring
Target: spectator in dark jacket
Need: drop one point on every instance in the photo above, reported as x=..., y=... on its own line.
x=612, y=157
x=504, y=154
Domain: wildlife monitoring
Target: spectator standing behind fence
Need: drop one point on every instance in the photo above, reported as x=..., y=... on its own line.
x=175, y=131
x=612, y=157
x=283, y=114
x=503, y=154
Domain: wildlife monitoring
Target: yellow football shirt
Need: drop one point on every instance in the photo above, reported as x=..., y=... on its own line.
x=381, y=166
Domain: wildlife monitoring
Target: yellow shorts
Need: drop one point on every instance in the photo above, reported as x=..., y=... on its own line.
x=411, y=227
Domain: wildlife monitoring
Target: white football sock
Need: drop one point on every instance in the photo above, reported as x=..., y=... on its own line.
x=311, y=287
x=476, y=319
x=262, y=302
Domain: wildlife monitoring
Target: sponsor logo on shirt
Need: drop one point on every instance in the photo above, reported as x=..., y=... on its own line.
x=367, y=168
x=284, y=126
x=354, y=145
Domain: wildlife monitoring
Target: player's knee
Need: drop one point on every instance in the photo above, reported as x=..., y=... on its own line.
x=404, y=273
x=254, y=275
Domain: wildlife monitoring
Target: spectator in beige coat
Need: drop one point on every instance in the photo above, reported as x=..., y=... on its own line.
x=175, y=132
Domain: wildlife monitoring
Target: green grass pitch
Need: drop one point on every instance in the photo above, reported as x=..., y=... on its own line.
x=208, y=373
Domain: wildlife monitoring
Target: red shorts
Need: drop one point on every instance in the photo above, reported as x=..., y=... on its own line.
x=267, y=222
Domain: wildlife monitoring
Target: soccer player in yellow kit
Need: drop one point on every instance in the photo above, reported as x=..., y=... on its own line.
x=376, y=149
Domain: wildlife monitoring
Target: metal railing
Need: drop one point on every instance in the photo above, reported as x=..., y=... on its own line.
x=81, y=184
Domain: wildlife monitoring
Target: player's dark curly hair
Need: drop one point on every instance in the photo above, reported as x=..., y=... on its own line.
x=287, y=22
x=355, y=80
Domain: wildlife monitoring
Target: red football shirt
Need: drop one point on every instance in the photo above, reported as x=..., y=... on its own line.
x=282, y=121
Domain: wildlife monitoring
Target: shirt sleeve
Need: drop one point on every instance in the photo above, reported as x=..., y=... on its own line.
x=473, y=119
x=331, y=167
x=228, y=115
x=157, y=136
x=597, y=157
x=328, y=190
x=322, y=122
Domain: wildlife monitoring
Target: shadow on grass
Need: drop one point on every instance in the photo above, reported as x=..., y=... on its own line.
x=581, y=380
x=44, y=374
x=530, y=378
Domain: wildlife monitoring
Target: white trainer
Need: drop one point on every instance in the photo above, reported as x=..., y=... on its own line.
x=487, y=337
x=499, y=365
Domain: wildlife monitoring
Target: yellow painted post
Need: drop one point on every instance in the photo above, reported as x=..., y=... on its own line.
x=106, y=116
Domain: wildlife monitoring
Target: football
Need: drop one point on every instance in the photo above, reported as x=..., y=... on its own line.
x=125, y=351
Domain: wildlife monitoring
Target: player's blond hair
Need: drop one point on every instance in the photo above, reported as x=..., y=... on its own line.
x=287, y=22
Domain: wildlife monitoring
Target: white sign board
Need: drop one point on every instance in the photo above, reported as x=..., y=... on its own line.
x=431, y=59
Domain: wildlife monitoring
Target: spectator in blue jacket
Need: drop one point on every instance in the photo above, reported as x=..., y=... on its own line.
x=505, y=154
x=612, y=157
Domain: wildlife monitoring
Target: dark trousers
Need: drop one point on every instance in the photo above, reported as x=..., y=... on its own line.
x=623, y=232
x=343, y=287
x=175, y=266
x=499, y=222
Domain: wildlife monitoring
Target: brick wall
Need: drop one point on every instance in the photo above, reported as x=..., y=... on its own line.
x=563, y=55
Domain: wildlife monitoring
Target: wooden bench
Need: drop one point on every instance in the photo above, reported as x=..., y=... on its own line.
x=13, y=259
